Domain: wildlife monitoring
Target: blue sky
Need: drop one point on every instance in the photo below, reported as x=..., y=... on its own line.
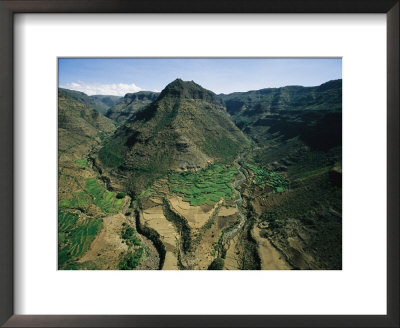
x=118, y=76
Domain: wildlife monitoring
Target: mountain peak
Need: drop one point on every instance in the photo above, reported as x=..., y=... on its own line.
x=178, y=81
x=180, y=85
x=333, y=84
x=189, y=90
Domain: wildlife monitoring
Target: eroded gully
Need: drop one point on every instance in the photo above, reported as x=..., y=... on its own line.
x=238, y=202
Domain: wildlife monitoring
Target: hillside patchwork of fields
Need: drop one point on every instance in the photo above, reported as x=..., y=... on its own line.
x=188, y=179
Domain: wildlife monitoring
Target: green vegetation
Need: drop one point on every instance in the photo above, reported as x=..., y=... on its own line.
x=128, y=235
x=217, y=264
x=312, y=163
x=106, y=200
x=110, y=154
x=268, y=178
x=226, y=148
x=81, y=162
x=75, y=235
x=206, y=186
x=131, y=259
x=273, y=222
x=218, y=248
x=146, y=193
x=95, y=194
x=120, y=195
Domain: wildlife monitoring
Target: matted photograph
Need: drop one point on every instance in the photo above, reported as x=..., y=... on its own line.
x=199, y=163
x=248, y=149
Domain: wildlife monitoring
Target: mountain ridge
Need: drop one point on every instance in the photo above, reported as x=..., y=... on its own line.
x=99, y=102
x=288, y=112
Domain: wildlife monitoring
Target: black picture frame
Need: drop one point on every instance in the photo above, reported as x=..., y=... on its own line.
x=7, y=10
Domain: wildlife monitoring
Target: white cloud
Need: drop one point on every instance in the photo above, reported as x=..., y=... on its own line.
x=115, y=89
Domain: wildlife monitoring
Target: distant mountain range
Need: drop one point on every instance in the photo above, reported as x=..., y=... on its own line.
x=100, y=102
x=314, y=114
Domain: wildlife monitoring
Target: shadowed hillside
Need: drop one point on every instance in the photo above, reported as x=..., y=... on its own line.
x=314, y=114
x=129, y=104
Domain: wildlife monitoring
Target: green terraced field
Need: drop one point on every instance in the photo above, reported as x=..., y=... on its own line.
x=75, y=236
x=206, y=186
x=81, y=162
x=94, y=193
x=268, y=178
x=76, y=232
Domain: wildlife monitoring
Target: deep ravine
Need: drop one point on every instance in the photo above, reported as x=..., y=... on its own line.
x=238, y=202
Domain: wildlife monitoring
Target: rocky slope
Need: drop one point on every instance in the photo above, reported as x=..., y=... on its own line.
x=129, y=104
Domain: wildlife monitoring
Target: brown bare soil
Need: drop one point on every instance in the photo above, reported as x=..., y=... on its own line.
x=196, y=216
x=154, y=218
x=232, y=259
x=107, y=247
x=271, y=259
